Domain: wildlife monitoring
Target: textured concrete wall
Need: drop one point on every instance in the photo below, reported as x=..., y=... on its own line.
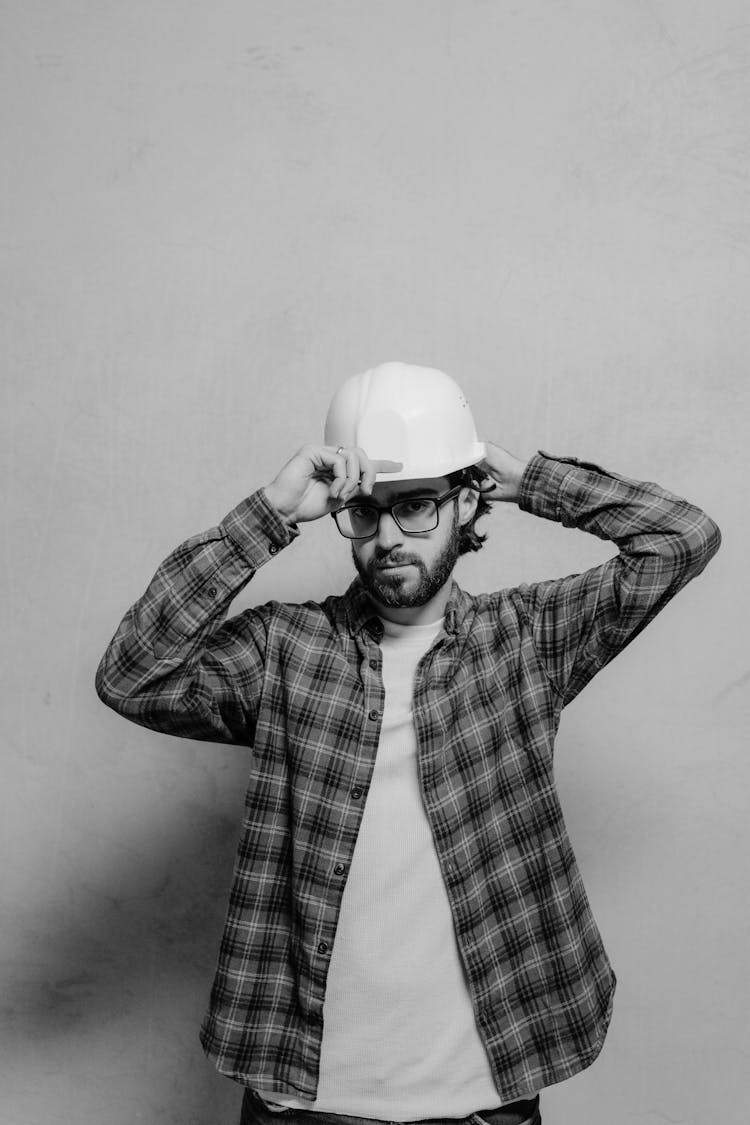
x=213, y=213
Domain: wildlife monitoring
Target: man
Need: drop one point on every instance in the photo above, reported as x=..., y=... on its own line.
x=408, y=937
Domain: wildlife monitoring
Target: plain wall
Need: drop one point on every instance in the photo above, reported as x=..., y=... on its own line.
x=211, y=215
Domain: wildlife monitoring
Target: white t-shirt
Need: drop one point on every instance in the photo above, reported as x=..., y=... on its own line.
x=400, y=1041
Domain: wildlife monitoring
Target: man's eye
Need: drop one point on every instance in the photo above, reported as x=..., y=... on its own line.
x=361, y=512
x=414, y=507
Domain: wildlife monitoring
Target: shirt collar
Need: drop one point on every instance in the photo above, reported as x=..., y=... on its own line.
x=361, y=612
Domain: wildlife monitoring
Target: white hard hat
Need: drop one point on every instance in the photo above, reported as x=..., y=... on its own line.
x=402, y=412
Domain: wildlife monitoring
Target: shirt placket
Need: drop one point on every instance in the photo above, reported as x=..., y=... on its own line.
x=430, y=691
x=353, y=801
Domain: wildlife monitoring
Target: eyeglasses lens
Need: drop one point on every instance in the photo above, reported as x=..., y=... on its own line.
x=361, y=520
x=416, y=515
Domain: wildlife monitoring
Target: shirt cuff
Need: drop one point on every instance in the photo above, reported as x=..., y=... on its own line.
x=257, y=530
x=542, y=482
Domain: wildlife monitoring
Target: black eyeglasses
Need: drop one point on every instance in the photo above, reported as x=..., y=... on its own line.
x=358, y=520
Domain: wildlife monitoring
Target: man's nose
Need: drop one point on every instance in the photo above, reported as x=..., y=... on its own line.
x=389, y=533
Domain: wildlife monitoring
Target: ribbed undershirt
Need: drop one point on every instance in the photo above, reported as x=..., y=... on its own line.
x=400, y=1040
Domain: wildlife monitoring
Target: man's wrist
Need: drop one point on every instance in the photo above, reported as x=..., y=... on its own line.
x=506, y=470
x=276, y=501
x=516, y=478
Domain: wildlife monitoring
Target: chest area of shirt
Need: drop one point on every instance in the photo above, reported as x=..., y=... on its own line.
x=338, y=696
x=482, y=730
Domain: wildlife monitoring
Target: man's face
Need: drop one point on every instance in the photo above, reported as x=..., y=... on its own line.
x=400, y=569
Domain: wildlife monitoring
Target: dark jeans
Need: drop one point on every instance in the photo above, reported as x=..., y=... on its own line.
x=254, y=1112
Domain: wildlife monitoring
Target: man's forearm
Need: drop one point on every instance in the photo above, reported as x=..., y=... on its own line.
x=639, y=516
x=163, y=634
x=582, y=621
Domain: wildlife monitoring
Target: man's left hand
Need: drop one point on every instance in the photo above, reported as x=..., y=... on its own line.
x=506, y=470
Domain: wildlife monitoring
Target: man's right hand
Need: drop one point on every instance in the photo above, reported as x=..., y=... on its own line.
x=319, y=479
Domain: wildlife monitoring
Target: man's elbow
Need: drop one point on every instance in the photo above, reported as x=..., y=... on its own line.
x=710, y=538
x=109, y=690
x=699, y=544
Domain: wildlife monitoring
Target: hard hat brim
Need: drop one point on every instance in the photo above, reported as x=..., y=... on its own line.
x=438, y=468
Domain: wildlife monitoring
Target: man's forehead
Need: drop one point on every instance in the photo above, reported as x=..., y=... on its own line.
x=389, y=491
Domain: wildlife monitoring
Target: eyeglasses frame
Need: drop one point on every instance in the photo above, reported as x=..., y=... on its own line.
x=438, y=501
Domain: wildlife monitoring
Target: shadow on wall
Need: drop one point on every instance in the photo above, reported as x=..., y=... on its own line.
x=117, y=976
x=121, y=972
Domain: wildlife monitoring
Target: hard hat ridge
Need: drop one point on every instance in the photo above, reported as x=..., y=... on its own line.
x=408, y=413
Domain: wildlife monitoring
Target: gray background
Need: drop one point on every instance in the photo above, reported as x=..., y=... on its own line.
x=211, y=215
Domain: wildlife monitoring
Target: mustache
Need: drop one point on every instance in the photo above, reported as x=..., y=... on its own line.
x=396, y=558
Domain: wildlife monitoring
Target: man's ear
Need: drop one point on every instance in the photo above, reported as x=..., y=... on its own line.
x=468, y=499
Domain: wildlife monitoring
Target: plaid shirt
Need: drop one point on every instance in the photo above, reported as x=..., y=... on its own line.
x=302, y=686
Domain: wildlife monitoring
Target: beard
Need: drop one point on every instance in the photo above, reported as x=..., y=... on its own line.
x=397, y=590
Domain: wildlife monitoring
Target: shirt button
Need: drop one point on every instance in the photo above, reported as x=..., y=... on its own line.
x=373, y=664
x=322, y=947
x=272, y=549
x=339, y=869
x=356, y=792
x=211, y=591
x=373, y=715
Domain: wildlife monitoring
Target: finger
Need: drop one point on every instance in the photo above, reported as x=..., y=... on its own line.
x=330, y=470
x=345, y=485
x=484, y=467
x=331, y=462
x=345, y=469
x=480, y=477
x=353, y=469
x=358, y=467
x=329, y=457
x=367, y=469
x=326, y=457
